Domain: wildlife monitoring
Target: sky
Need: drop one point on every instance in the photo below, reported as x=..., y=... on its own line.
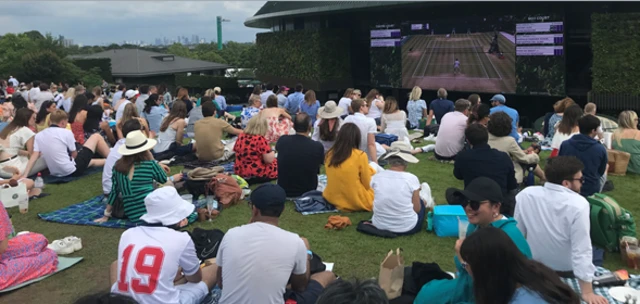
x=105, y=22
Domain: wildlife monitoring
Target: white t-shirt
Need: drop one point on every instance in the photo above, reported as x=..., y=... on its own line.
x=451, y=134
x=41, y=97
x=107, y=170
x=559, y=138
x=55, y=144
x=16, y=141
x=374, y=111
x=32, y=94
x=120, y=109
x=345, y=103
x=392, y=202
x=366, y=125
x=257, y=261
x=154, y=255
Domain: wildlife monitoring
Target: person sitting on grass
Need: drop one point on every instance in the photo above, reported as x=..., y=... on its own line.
x=627, y=139
x=24, y=257
x=208, y=133
x=479, y=114
x=328, y=124
x=482, y=202
x=172, y=132
x=368, y=129
x=16, y=145
x=490, y=253
x=358, y=292
x=94, y=124
x=252, y=110
x=257, y=261
x=155, y=257
x=279, y=120
x=55, y=143
x=299, y=159
x=393, y=120
x=255, y=160
x=106, y=298
x=129, y=112
x=451, y=132
x=154, y=111
x=44, y=114
x=134, y=175
x=348, y=173
x=396, y=205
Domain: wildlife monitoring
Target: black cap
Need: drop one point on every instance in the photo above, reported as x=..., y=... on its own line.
x=268, y=195
x=481, y=189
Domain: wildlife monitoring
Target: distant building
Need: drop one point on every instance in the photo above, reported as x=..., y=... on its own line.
x=67, y=42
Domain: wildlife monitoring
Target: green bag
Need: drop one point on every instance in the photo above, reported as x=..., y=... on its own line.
x=609, y=222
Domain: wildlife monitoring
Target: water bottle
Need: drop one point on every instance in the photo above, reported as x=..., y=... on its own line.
x=39, y=183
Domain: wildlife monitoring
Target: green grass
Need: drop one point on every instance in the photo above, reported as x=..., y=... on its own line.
x=355, y=254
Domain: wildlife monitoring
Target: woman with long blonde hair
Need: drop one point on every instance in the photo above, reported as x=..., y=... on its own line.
x=255, y=160
x=416, y=107
x=627, y=139
x=67, y=100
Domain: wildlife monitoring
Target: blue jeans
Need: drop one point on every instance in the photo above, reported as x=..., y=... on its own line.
x=418, y=226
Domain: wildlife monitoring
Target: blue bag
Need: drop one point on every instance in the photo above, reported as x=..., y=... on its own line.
x=444, y=220
x=386, y=139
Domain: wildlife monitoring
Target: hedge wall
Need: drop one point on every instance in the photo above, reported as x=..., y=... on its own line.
x=316, y=55
x=615, y=42
x=104, y=64
x=206, y=82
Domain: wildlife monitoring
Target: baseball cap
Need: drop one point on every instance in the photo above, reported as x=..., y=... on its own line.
x=480, y=189
x=129, y=94
x=268, y=195
x=284, y=88
x=164, y=205
x=499, y=98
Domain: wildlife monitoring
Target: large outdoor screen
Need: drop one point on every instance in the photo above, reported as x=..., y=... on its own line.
x=508, y=54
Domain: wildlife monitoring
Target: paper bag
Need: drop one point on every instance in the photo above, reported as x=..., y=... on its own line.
x=391, y=277
x=12, y=196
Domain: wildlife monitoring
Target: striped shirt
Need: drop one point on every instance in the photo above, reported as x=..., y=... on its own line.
x=134, y=191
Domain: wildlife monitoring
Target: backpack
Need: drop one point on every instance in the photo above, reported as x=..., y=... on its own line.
x=225, y=188
x=206, y=242
x=609, y=222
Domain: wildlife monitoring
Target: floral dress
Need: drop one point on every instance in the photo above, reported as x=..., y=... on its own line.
x=248, y=113
x=27, y=256
x=249, y=162
x=278, y=127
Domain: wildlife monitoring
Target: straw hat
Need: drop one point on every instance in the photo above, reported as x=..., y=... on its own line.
x=403, y=150
x=330, y=110
x=164, y=205
x=135, y=143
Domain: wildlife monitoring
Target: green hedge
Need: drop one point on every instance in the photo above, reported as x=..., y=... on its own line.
x=206, y=82
x=103, y=64
x=317, y=55
x=615, y=42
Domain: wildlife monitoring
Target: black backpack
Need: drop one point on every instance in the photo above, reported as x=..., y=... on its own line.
x=207, y=242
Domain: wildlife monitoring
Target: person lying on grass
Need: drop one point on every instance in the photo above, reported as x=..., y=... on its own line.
x=154, y=256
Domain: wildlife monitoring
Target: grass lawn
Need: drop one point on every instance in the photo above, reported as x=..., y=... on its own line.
x=355, y=254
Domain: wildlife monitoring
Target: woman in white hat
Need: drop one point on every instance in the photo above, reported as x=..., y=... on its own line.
x=134, y=176
x=325, y=130
x=396, y=205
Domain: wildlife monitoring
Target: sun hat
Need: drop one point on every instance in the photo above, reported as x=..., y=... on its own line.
x=129, y=94
x=480, y=189
x=330, y=110
x=403, y=150
x=268, y=195
x=499, y=98
x=164, y=205
x=136, y=142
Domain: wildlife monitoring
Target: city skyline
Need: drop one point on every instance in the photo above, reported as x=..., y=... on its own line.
x=106, y=22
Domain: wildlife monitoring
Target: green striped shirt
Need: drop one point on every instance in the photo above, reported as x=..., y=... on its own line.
x=135, y=190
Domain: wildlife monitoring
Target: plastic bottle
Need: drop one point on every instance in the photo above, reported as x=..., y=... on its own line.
x=39, y=183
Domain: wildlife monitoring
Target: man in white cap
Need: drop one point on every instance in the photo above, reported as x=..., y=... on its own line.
x=498, y=102
x=154, y=256
x=128, y=96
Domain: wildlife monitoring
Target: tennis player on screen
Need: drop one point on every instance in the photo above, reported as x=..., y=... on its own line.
x=456, y=67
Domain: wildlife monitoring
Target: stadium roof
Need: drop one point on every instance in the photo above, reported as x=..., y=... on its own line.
x=139, y=63
x=280, y=9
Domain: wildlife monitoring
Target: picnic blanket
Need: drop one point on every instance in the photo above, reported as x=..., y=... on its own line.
x=86, y=212
x=228, y=166
x=63, y=263
x=50, y=179
x=634, y=282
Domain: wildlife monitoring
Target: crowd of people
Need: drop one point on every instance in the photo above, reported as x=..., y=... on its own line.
x=533, y=236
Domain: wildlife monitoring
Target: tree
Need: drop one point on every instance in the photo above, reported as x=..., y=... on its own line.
x=179, y=50
x=44, y=65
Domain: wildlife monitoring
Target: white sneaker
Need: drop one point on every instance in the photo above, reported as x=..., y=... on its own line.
x=430, y=138
x=428, y=148
x=76, y=242
x=61, y=247
x=425, y=195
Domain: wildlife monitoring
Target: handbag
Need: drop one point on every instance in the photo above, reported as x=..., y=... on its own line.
x=391, y=276
x=12, y=196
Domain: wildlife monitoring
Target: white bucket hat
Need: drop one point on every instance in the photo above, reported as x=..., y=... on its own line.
x=403, y=150
x=135, y=143
x=330, y=110
x=165, y=206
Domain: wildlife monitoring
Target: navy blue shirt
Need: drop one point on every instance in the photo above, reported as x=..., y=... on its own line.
x=440, y=107
x=482, y=160
x=594, y=157
x=299, y=161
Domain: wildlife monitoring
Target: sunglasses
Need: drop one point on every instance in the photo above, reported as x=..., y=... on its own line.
x=581, y=180
x=474, y=205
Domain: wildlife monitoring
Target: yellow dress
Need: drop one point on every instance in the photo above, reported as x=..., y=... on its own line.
x=46, y=124
x=349, y=185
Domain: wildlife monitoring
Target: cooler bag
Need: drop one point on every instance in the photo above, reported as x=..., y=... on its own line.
x=444, y=220
x=609, y=222
x=386, y=139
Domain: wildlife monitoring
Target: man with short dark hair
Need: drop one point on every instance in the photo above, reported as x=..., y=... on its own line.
x=358, y=292
x=282, y=96
x=268, y=92
x=299, y=159
x=367, y=126
x=209, y=132
x=482, y=160
x=258, y=260
x=43, y=95
x=554, y=219
x=294, y=100
x=591, y=152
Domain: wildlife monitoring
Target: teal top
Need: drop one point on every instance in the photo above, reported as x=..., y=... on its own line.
x=632, y=147
x=460, y=289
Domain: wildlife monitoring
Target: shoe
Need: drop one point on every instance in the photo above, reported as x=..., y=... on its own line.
x=61, y=247
x=75, y=241
x=428, y=148
x=425, y=196
x=430, y=138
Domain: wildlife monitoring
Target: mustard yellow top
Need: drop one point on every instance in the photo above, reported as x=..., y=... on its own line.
x=349, y=185
x=46, y=124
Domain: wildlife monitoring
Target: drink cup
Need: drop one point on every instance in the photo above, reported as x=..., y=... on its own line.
x=24, y=206
x=462, y=228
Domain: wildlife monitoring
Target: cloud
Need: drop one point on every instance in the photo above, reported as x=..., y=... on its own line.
x=104, y=22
